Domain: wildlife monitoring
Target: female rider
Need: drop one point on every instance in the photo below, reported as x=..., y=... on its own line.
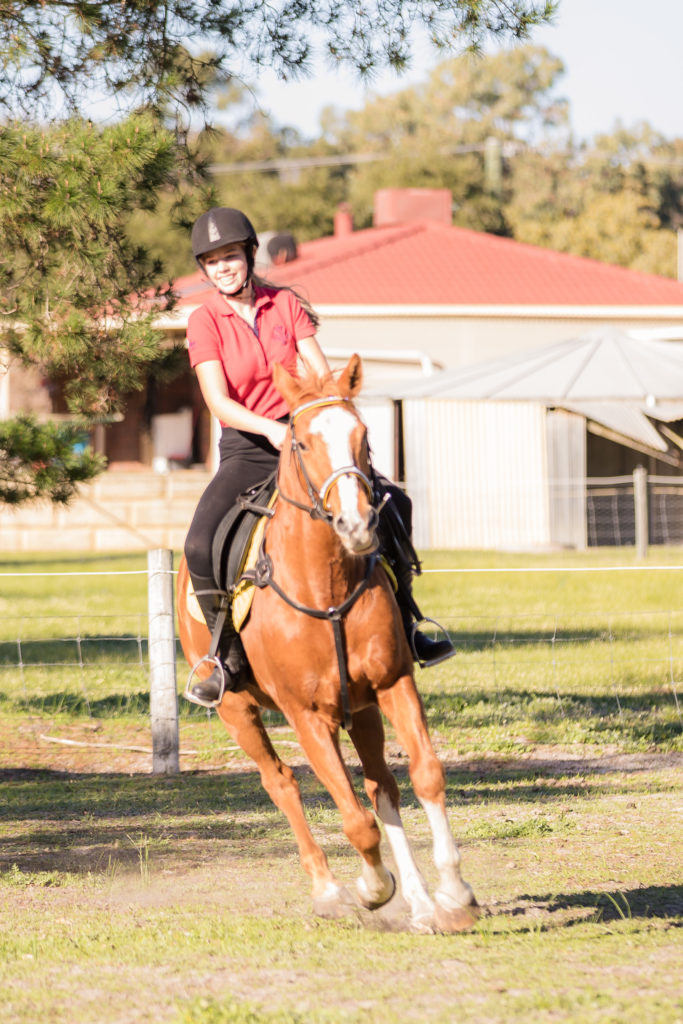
x=244, y=328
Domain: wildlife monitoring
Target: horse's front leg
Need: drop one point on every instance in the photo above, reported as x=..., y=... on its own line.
x=455, y=905
x=241, y=716
x=320, y=741
x=368, y=738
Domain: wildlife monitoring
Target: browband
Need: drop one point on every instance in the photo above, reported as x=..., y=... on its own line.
x=317, y=403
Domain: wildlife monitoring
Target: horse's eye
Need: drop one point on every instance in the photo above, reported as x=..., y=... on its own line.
x=303, y=447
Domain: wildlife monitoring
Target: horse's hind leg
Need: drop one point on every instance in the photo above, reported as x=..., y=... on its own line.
x=455, y=905
x=241, y=717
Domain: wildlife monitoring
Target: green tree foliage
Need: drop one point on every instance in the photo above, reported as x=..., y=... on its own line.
x=302, y=200
x=435, y=135
x=618, y=199
x=75, y=293
x=140, y=49
x=76, y=286
x=432, y=135
x=43, y=460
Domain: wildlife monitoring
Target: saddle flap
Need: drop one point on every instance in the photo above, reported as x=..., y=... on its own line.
x=231, y=540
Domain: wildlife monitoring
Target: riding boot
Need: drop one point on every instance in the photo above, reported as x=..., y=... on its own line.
x=230, y=649
x=426, y=651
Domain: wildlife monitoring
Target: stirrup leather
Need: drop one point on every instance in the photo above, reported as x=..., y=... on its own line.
x=444, y=637
x=189, y=695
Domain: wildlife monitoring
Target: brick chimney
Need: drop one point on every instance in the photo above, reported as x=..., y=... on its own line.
x=343, y=221
x=403, y=205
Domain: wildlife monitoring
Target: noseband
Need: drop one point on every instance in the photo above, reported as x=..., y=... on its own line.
x=318, y=509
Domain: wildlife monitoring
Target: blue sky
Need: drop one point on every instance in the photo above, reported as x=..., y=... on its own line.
x=622, y=60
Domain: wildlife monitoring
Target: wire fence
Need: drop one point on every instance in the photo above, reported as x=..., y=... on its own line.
x=625, y=662
x=612, y=510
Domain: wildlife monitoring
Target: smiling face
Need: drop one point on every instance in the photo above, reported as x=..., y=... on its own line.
x=227, y=268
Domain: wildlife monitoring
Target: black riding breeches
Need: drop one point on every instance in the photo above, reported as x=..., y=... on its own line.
x=245, y=460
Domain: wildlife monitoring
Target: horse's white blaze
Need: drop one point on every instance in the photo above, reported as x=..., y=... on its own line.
x=335, y=426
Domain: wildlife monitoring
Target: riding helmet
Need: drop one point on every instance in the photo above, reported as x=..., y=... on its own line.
x=223, y=225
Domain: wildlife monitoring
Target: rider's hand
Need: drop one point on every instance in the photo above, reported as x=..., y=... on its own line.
x=276, y=434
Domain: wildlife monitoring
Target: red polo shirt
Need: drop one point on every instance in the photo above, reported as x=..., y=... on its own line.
x=216, y=331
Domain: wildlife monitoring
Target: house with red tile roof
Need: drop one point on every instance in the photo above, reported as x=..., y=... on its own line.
x=414, y=292
x=413, y=295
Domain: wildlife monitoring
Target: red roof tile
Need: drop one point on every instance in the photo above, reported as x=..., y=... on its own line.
x=426, y=263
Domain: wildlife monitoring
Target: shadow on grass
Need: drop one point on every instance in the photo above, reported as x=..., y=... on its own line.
x=653, y=901
x=73, y=822
x=631, y=715
x=42, y=793
x=77, y=702
x=73, y=702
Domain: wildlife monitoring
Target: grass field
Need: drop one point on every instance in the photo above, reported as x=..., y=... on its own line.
x=126, y=897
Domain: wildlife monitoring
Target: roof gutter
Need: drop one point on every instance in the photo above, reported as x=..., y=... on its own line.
x=508, y=311
x=177, y=319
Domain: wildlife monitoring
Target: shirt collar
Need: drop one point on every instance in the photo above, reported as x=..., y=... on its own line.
x=262, y=297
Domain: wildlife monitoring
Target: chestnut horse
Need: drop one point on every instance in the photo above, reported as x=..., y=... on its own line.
x=321, y=564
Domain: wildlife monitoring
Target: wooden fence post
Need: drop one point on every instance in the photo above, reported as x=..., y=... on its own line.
x=640, y=504
x=163, y=692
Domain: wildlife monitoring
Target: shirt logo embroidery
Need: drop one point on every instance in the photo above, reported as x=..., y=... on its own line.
x=280, y=334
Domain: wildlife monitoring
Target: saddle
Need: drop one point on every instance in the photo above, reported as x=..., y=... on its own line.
x=232, y=540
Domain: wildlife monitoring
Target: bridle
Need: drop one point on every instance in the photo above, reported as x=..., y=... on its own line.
x=318, y=509
x=262, y=575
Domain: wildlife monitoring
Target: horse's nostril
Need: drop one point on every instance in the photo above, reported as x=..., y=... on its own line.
x=341, y=525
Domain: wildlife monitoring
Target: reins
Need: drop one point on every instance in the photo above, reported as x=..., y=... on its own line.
x=262, y=574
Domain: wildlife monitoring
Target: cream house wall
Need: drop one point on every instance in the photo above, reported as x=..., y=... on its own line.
x=459, y=336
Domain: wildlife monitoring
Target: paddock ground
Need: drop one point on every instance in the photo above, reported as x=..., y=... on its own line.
x=128, y=897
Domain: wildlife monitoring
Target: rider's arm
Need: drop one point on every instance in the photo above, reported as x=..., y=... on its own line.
x=313, y=356
x=214, y=389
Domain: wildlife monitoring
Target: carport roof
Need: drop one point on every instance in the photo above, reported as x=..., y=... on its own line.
x=609, y=377
x=605, y=365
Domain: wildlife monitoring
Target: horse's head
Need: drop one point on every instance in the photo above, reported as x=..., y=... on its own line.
x=327, y=454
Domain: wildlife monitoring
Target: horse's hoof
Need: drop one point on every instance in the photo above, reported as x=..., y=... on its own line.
x=456, y=919
x=376, y=900
x=424, y=925
x=334, y=904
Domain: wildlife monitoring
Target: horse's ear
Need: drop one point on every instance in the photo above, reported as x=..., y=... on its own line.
x=287, y=385
x=351, y=379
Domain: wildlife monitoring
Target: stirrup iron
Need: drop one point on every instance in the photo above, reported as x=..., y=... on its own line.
x=443, y=637
x=189, y=695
